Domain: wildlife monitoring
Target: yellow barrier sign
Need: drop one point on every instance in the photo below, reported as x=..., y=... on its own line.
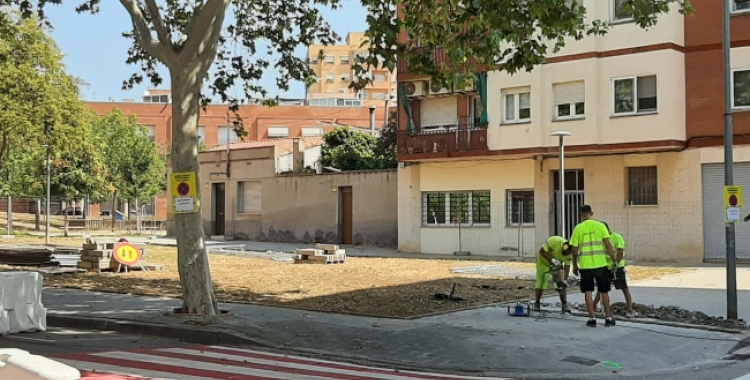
x=733, y=203
x=184, y=189
x=127, y=254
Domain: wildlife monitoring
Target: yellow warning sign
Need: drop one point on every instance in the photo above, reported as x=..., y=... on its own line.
x=184, y=189
x=733, y=202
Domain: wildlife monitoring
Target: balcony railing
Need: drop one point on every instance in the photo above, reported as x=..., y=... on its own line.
x=450, y=141
x=439, y=56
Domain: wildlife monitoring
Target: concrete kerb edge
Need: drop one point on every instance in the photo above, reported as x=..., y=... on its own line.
x=190, y=334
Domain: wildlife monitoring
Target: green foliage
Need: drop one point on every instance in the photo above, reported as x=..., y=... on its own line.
x=385, y=148
x=346, y=149
x=40, y=105
x=136, y=170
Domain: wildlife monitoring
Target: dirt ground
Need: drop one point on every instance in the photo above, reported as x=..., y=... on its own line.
x=369, y=286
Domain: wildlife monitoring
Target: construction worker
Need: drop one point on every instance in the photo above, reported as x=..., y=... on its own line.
x=554, y=252
x=591, y=250
x=619, y=280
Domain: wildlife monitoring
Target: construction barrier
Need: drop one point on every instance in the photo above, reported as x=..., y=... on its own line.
x=18, y=364
x=21, y=308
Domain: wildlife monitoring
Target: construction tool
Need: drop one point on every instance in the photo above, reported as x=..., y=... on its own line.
x=520, y=310
x=556, y=272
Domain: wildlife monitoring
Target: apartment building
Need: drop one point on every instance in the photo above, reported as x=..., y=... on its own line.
x=335, y=71
x=645, y=112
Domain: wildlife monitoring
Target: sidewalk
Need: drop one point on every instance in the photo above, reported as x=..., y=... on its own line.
x=486, y=341
x=700, y=289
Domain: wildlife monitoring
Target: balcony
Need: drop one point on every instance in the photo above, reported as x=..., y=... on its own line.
x=439, y=56
x=448, y=141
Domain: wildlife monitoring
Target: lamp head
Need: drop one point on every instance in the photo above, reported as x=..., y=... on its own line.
x=561, y=134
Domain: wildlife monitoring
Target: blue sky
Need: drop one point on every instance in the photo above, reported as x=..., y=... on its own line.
x=96, y=51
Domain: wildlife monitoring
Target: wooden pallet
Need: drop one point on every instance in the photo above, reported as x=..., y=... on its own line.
x=321, y=254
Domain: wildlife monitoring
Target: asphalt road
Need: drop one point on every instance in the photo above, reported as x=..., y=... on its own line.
x=57, y=341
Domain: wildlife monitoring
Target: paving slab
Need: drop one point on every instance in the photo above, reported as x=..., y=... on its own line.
x=484, y=340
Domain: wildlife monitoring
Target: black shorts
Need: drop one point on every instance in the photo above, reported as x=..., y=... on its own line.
x=599, y=279
x=620, y=281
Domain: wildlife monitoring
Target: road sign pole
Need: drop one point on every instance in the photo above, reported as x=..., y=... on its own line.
x=729, y=164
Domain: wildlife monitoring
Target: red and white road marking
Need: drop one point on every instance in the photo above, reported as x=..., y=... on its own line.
x=225, y=363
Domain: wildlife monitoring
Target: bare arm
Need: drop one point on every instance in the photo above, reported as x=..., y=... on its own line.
x=546, y=255
x=574, y=253
x=610, y=250
x=566, y=273
x=620, y=254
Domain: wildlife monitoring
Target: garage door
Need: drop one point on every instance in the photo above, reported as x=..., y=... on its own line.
x=714, y=232
x=439, y=111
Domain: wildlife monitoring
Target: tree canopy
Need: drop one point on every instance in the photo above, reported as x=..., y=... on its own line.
x=347, y=149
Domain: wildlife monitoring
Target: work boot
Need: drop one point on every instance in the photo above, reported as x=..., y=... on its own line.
x=537, y=306
x=591, y=323
x=609, y=322
x=565, y=308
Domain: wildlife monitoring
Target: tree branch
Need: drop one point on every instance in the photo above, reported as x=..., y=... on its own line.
x=161, y=29
x=207, y=25
x=143, y=33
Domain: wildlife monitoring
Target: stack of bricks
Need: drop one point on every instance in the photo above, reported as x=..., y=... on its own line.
x=321, y=254
x=96, y=257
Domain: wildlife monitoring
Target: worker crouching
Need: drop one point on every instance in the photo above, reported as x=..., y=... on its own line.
x=553, y=261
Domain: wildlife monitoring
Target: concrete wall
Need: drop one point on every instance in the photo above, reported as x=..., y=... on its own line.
x=305, y=209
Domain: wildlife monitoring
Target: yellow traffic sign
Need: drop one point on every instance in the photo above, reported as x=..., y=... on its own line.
x=732, y=196
x=184, y=192
x=127, y=254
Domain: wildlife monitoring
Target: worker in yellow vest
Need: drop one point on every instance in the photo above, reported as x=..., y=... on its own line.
x=592, y=255
x=620, y=281
x=554, y=253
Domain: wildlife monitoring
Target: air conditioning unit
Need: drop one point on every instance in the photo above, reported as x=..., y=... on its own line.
x=466, y=88
x=414, y=89
x=436, y=88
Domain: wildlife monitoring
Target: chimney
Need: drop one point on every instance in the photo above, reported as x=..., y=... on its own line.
x=372, y=120
x=298, y=155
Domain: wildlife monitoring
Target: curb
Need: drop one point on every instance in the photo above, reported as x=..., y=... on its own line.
x=651, y=321
x=190, y=334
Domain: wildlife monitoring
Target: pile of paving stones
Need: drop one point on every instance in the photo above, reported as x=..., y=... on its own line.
x=272, y=255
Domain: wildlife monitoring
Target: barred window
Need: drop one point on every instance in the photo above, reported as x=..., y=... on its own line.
x=454, y=207
x=643, y=186
x=520, y=207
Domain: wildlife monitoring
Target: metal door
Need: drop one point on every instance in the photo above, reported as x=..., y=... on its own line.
x=714, y=231
x=346, y=218
x=219, y=209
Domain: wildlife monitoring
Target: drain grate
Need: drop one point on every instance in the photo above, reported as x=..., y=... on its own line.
x=580, y=360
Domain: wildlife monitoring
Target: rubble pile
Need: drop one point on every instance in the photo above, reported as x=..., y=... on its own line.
x=676, y=314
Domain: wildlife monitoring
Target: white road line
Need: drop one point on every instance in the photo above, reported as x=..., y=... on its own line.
x=746, y=377
x=106, y=368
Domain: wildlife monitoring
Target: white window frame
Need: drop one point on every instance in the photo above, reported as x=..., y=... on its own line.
x=312, y=131
x=449, y=223
x=241, y=198
x=222, y=134
x=330, y=78
x=735, y=10
x=330, y=59
x=345, y=78
x=379, y=78
x=734, y=105
x=314, y=60
x=278, y=128
x=345, y=59
x=636, y=110
x=516, y=94
x=613, y=14
x=573, y=115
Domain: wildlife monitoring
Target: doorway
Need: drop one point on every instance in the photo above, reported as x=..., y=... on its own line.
x=218, y=191
x=574, y=199
x=346, y=215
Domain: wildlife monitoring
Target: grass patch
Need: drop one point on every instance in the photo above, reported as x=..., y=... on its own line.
x=386, y=287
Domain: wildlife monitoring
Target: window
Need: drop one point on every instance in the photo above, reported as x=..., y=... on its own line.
x=517, y=105
x=619, y=12
x=201, y=134
x=452, y=208
x=379, y=78
x=330, y=59
x=278, y=132
x=520, y=207
x=150, y=131
x=227, y=135
x=329, y=78
x=741, y=88
x=314, y=60
x=345, y=78
x=634, y=95
x=569, y=100
x=344, y=59
x=740, y=5
x=249, y=198
x=343, y=90
x=312, y=131
x=643, y=187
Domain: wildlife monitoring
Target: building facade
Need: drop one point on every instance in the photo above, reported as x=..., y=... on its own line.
x=644, y=109
x=334, y=69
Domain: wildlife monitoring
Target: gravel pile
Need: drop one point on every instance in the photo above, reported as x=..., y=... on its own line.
x=505, y=271
x=271, y=255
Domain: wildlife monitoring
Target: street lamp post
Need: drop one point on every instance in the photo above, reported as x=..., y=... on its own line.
x=729, y=162
x=46, y=206
x=561, y=196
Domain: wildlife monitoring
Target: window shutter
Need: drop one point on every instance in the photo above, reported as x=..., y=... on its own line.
x=252, y=200
x=646, y=87
x=567, y=93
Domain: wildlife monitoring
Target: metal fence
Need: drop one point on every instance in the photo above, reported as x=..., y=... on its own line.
x=79, y=215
